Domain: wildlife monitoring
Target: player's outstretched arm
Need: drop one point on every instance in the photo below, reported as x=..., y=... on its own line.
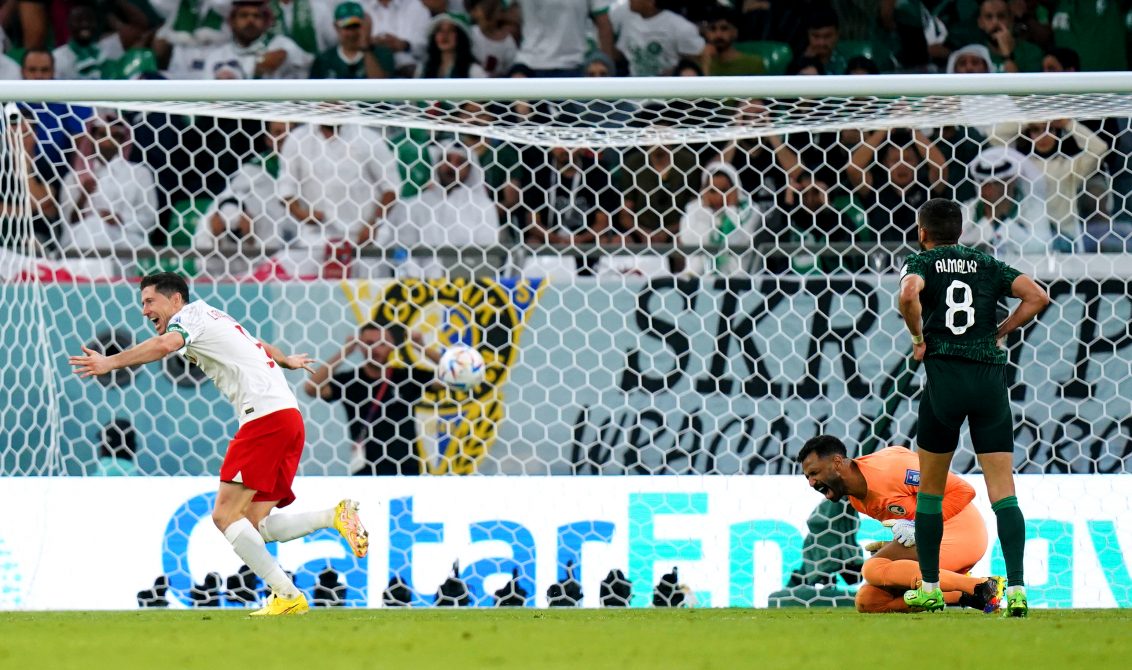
x=91, y=363
x=1034, y=299
x=290, y=362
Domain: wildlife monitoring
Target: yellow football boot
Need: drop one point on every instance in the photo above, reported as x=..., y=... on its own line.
x=349, y=525
x=279, y=606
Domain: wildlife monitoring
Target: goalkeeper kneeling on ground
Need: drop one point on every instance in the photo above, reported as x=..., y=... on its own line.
x=883, y=485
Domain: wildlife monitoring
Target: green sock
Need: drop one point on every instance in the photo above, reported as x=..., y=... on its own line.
x=1012, y=536
x=929, y=533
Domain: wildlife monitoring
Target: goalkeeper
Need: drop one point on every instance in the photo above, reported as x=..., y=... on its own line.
x=883, y=485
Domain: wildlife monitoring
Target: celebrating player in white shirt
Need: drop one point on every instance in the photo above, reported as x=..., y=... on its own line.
x=260, y=464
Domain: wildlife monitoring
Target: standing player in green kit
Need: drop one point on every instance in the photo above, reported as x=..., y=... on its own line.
x=949, y=296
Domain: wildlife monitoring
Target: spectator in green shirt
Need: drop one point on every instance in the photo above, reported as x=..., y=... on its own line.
x=1031, y=21
x=1098, y=31
x=355, y=57
x=721, y=30
x=1008, y=52
x=822, y=35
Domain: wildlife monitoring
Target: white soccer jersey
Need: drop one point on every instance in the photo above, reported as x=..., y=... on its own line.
x=554, y=31
x=241, y=60
x=654, y=46
x=233, y=359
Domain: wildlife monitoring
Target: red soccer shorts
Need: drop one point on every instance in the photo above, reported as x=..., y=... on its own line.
x=265, y=454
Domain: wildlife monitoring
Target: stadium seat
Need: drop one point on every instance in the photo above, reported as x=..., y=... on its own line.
x=776, y=55
x=876, y=52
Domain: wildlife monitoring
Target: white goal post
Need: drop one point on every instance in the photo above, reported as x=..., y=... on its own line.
x=666, y=276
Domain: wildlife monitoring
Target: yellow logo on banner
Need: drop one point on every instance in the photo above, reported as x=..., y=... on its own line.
x=455, y=429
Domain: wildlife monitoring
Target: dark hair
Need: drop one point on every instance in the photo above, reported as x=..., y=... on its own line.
x=396, y=332
x=1069, y=58
x=167, y=283
x=823, y=446
x=862, y=63
x=29, y=52
x=822, y=17
x=686, y=64
x=464, y=58
x=718, y=12
x=802, y=62
x=942, y=219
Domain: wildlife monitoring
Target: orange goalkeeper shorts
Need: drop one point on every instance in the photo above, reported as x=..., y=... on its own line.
x=964, y=541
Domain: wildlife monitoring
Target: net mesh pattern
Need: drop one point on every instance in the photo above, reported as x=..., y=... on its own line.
x=657, y=287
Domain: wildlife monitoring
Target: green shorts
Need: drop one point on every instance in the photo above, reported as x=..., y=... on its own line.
x=959, y=389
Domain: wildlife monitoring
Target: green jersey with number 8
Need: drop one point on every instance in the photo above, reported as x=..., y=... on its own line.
x=962, y=289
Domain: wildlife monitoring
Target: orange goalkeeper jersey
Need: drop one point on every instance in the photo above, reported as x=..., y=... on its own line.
x=893, y=478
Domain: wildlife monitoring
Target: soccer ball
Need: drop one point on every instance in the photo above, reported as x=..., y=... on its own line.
x=461, y=368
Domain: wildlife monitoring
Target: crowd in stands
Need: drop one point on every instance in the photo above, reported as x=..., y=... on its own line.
x=288, y=200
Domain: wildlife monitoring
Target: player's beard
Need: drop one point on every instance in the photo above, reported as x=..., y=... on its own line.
x=835, y=486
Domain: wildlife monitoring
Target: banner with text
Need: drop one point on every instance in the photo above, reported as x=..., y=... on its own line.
x=732, y=376
x=734, y=539
x=720, y=376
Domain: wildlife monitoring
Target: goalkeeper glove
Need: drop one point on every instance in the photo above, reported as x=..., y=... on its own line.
x=903, y=531
x=874, y=547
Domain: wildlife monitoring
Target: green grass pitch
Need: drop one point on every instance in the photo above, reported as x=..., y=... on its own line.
x=585, y=639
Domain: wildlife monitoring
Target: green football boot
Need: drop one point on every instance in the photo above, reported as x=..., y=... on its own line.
x=924, y=601
x=1016, y=605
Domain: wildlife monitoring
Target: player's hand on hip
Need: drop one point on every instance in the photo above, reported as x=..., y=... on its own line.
x=903, y=531
x=90, y=364
x=918, y=351
x=297, y=361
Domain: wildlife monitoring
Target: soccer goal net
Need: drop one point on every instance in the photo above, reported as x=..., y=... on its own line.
x=665, y=277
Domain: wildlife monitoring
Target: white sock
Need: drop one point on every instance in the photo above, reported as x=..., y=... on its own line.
x=286, y=527
x=928, y=587
x=249, y=546
x=1011, y=590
